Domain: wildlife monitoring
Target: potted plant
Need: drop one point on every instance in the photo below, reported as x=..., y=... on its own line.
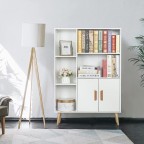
x=65, y=74
x=139, y=57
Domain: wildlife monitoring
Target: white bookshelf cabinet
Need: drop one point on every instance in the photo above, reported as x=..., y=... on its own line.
x=91, y=94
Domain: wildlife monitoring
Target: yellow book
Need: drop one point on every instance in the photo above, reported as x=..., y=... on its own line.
x=83, y=41
x=91, y=45
x=79, y=41
x=96, y=41
x=117, y=43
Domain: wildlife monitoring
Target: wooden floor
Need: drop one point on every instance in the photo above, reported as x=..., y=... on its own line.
x=133, y=129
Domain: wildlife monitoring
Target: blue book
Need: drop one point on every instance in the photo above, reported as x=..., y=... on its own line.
x=109, y=41
x=100, y=41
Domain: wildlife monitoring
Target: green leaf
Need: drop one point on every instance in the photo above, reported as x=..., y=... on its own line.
x=138, y=60
x=142, y=19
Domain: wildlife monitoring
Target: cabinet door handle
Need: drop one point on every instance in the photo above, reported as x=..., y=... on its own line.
x=95, y=95
x=101, y=95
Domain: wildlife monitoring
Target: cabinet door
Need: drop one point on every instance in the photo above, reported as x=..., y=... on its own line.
x=87, y=95
x=109, y=95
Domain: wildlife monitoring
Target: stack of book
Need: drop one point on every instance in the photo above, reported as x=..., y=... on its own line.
x=98, y=41
x=87, y=71
x=110, y=66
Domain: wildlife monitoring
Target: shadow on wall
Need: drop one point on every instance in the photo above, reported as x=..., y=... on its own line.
x=12, y=81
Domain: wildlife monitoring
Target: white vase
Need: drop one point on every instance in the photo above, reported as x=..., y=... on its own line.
x=65, y=80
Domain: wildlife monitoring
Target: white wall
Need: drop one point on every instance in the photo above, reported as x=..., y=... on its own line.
x=74, y=13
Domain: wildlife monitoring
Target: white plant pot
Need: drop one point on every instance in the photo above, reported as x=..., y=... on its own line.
x=65, y=80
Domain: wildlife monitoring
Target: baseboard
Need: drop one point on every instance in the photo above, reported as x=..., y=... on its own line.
x=83, y=120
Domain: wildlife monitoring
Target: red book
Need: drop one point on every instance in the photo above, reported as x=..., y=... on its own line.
x=113, y=43
x=104, y=68
x=105, y=41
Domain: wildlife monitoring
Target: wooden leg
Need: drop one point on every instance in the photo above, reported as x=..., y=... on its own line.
x=29, y=69
x=3, y=125
x=31, y=94
x=117, y=119
x=39, y=87
x=58, y=118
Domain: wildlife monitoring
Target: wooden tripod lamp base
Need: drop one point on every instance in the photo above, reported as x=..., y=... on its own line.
x=33, y=35
x=32, y=64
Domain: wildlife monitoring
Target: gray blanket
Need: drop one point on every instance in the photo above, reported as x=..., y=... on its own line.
x=4, y=100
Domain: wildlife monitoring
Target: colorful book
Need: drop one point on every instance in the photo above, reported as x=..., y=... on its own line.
x=79, y=42
x=104, y=68
x=95, y=41
x=117, y=43
x=105, y=41
x=100, y=41
x=109, y=66
x=87, y=41
x=109, y=41
x=117, y=66
x=113, y=58
x=113, y=43
x=83, y=41
x=91, y=45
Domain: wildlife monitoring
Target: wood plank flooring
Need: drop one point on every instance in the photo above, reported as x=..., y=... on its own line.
x=133, y=129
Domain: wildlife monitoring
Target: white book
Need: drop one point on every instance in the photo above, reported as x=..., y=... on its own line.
x=87, y=71
x=85, y=67
x=109, y=66
x=117, y=43
x=117, y=66
x=88, y=75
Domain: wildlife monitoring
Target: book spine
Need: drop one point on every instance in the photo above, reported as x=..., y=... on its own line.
x=100, y=41
x=117, y=43
x=83, y=41
x=88, y=75
x=87, y=41
x=105, y=41
x=109, y=42
x=117, y=66
x=87, y=68
x=104, y=68
x=109, y=66
x=96, y=41
x=79, y=42
x=87, y=71
x=99, y=71
x=113, y=66
x=113, y=43
x=91, y=45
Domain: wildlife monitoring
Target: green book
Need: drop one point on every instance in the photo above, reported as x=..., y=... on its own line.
x=100, y=42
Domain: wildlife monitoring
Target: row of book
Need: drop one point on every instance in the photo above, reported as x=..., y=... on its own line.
x=110, y=66
x=109, y=69
x=98, y=41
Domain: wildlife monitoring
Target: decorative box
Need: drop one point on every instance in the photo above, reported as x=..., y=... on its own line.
x=65, y=104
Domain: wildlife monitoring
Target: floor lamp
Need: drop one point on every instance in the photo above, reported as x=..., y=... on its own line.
x=33, y=35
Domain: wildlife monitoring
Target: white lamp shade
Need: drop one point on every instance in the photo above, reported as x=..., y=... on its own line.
x=33, y=35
